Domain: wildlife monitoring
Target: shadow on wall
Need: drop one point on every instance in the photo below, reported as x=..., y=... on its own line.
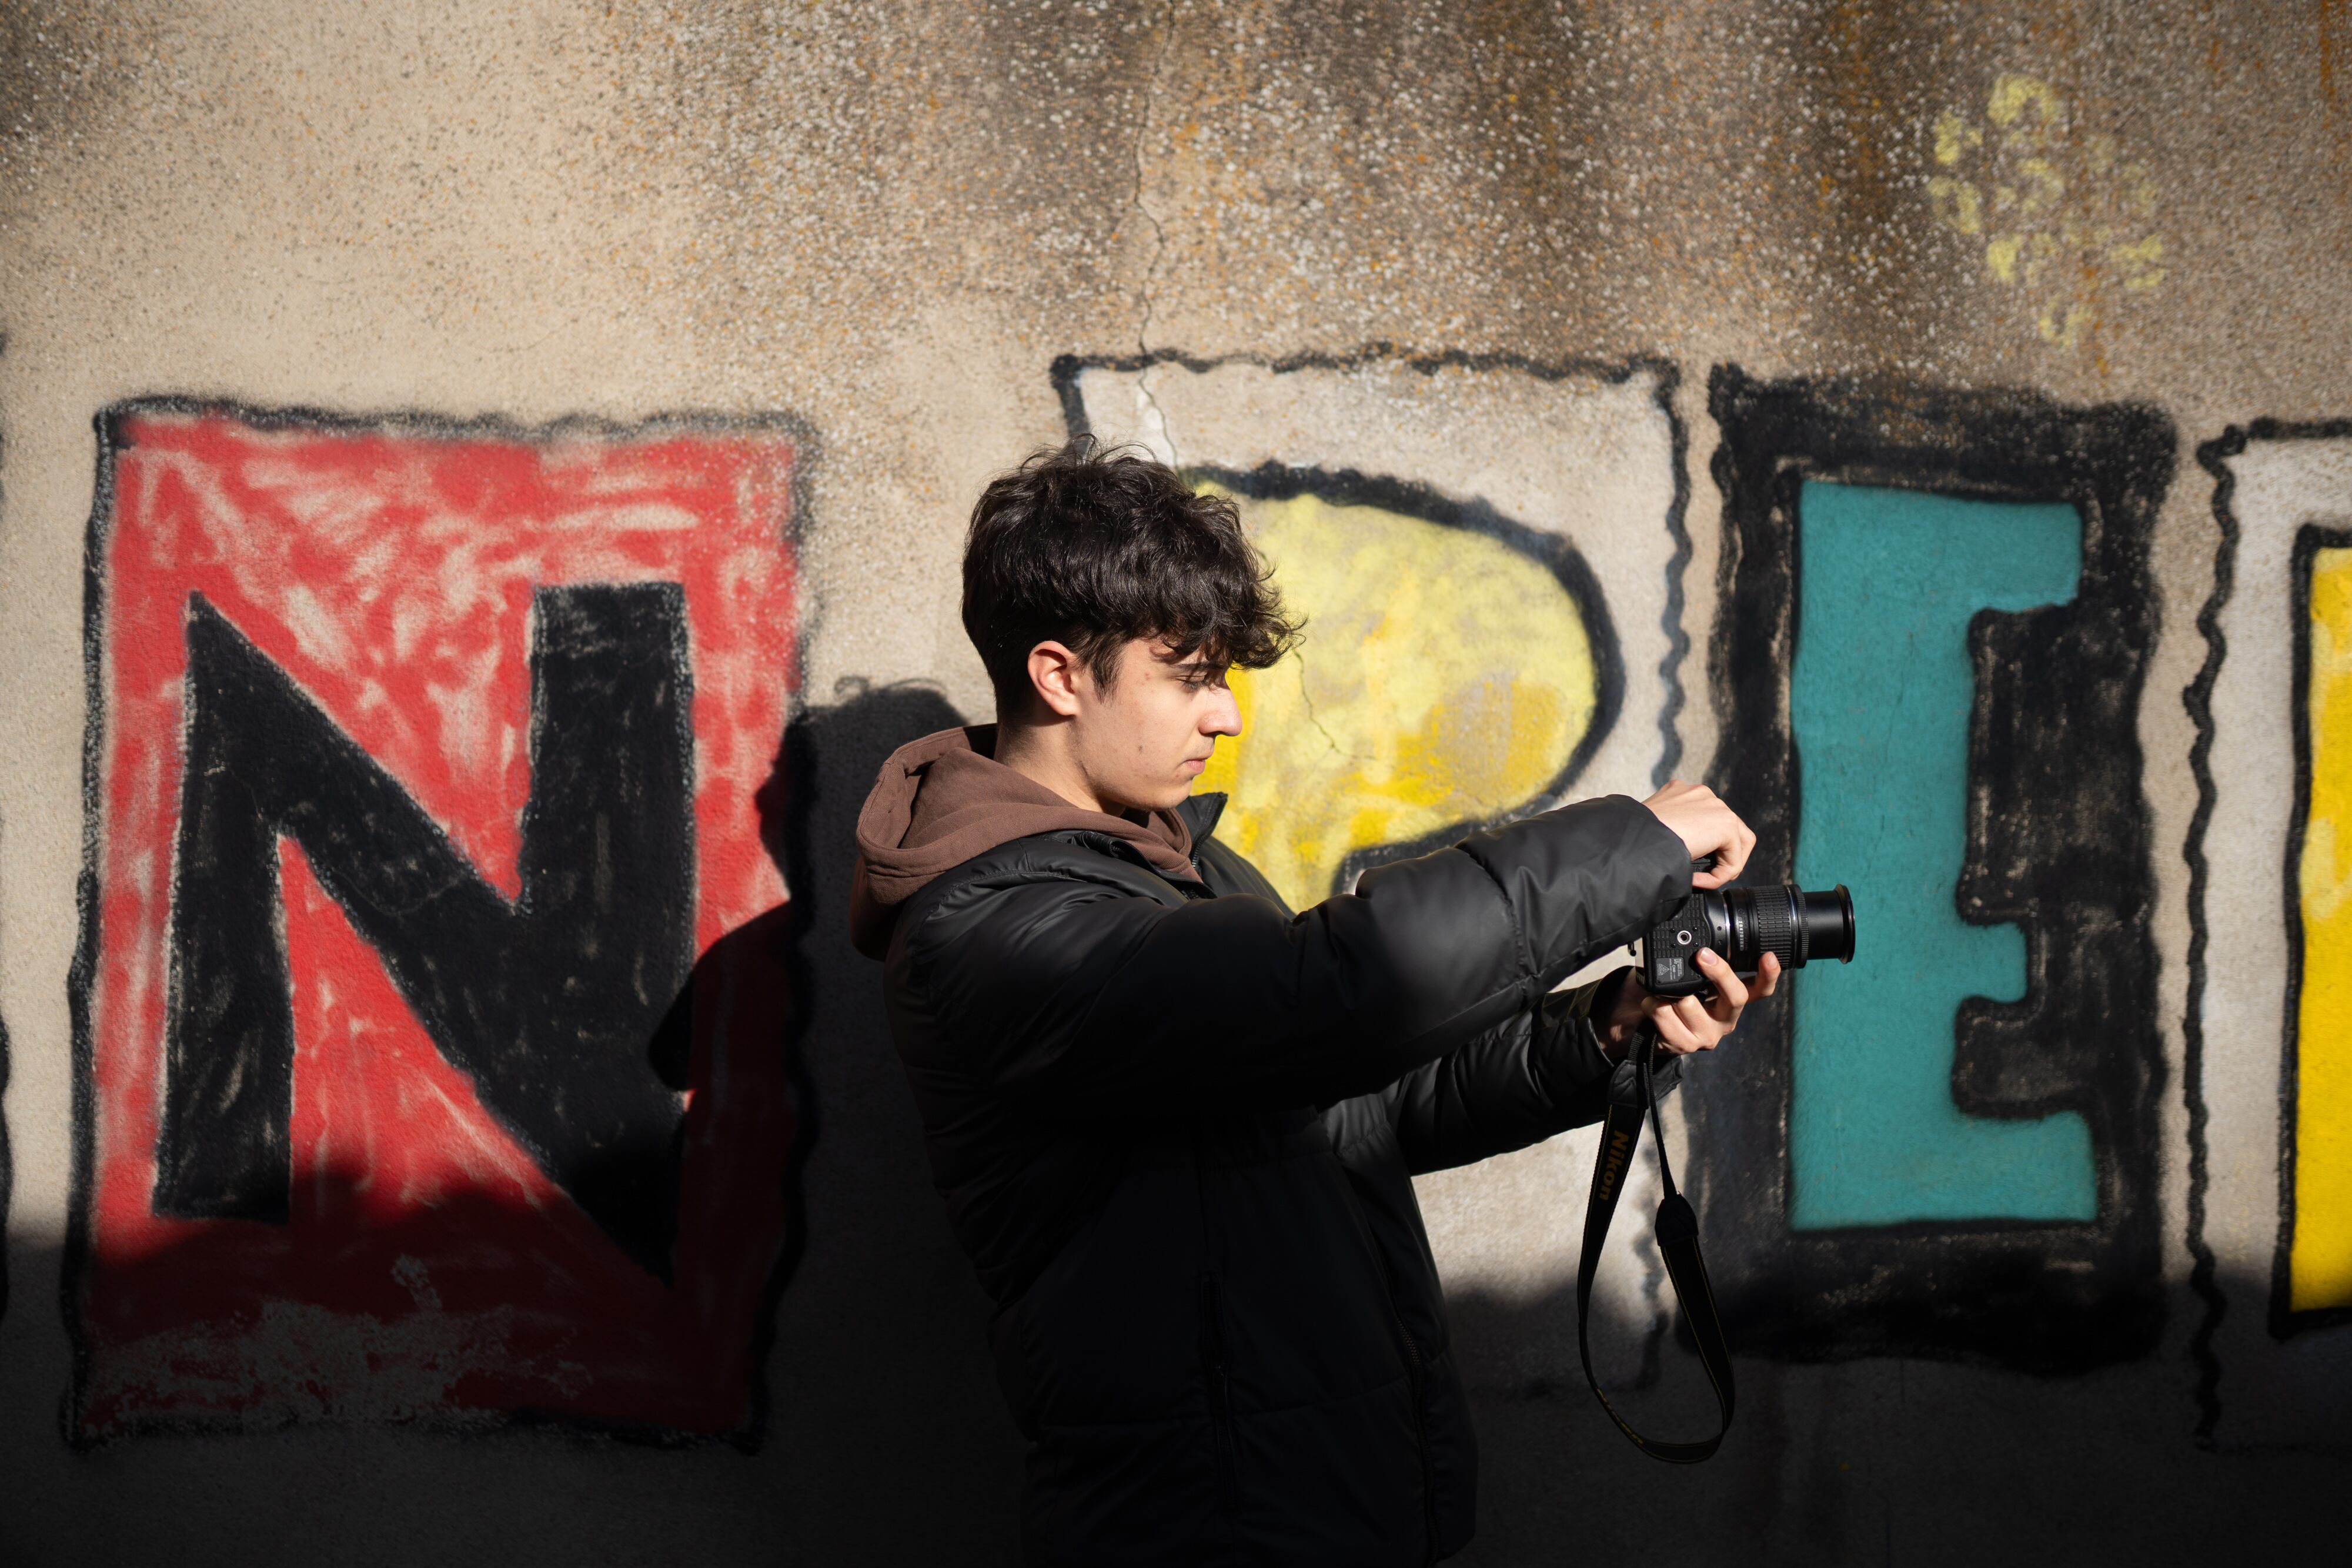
x=457, y=1285
x=871, y=1364
x=880, y=1368
x=1883, y=1459
x=1895, y=1459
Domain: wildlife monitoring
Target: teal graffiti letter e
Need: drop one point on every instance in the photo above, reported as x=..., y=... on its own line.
x=1879, y=701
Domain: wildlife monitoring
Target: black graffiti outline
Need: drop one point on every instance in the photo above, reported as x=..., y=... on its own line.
x=1554, y=553
x=1666, y=381
x=2198, y=698
x=2062, y=1296
x=111, y=428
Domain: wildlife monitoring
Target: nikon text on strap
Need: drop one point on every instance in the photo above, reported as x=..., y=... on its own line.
x=1630, y=1100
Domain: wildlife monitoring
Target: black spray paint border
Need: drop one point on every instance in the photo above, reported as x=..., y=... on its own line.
x=1555, y=552
x=2198, y=698
x=112, y=443
x=1843, y=1293
x=1067, y=369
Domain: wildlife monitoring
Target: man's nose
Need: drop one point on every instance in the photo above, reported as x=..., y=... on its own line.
x=1224, y=715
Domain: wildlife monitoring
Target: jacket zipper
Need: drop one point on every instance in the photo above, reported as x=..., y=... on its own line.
x=1220, y=1392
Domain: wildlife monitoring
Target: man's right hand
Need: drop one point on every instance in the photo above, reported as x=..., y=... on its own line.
x=1695, y=815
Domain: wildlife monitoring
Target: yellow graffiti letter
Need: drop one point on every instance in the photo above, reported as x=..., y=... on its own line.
x=1447, y=677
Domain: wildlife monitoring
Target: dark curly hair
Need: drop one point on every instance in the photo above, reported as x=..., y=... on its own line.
x=1094, y=546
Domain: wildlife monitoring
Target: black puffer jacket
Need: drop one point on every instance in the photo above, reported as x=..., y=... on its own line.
x=1175, y=1126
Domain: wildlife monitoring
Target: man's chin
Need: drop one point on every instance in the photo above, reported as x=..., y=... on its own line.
x=1166, y=798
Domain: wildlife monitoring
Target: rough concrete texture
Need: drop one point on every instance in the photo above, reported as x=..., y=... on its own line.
x=884, y=224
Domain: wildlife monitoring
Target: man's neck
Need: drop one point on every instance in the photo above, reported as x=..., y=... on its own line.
x=1042, y=754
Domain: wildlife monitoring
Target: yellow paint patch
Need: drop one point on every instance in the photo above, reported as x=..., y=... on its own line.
x=1958, y=205
x=1444, y=677
x=2014, y=96
x=2062, y=218
x=1954, y=137
x=2000, y=257
x=2319, y=1259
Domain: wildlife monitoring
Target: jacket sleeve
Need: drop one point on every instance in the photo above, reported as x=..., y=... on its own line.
x=1537, y=1074
x=1085, y=999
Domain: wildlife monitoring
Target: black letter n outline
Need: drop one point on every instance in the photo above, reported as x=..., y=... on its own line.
x=548, y=1004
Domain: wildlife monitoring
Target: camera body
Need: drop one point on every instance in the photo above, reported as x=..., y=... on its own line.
x=1742, y=924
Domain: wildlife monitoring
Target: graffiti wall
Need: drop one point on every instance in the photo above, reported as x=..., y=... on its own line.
x=1950, y=1147
x=2268, y=1215
x=423, y=767
x=1931, y=645
x=441, y=1115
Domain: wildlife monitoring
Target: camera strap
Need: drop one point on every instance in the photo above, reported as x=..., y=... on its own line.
x=1631, y=1100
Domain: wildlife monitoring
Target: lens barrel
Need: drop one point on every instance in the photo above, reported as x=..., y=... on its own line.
x=1824, y=925
x=1795, y=927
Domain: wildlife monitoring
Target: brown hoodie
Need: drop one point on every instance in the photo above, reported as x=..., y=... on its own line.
x=944, y=798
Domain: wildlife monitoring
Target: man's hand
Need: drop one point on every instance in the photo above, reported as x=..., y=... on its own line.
x=1700, y=819
x=1685, y=1024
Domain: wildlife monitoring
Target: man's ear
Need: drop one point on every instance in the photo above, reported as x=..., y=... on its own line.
x=1055, y=675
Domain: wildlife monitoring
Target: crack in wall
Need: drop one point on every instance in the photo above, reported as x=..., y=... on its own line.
x=1155, y=418
x=1321, y=728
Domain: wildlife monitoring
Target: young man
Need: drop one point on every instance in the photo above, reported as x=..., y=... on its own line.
x=1176, y=1124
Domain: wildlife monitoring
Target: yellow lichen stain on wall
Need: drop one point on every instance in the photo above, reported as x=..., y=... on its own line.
x=1445, y=676
x=2319, y=1256
x=2065, y=218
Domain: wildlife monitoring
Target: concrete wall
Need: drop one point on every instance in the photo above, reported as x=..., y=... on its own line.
x=444, y=447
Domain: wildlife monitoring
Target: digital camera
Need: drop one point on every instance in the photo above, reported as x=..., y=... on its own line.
x=1743, y=923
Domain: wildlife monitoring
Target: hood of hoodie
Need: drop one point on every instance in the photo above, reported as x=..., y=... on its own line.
x=944, y=798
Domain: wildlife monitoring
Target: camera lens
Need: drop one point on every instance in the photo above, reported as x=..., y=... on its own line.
x=1825, y=923
x=1795, y=927
x=1760, y=923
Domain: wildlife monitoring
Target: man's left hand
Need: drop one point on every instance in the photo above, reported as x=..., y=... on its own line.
x=1686, y=1024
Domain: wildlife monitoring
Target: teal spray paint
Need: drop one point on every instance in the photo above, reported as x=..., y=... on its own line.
x=1880, y=695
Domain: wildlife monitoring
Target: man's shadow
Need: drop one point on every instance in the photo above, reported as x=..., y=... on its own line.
x=878, y=1364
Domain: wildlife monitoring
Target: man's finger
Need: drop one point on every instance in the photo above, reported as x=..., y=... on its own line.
x=1667, y=1024
x=1693, y=1015
x=1743, y=844
x=1730, y=993
x=1768, y=977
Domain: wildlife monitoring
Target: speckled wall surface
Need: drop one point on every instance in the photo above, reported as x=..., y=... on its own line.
x=1581, y=300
